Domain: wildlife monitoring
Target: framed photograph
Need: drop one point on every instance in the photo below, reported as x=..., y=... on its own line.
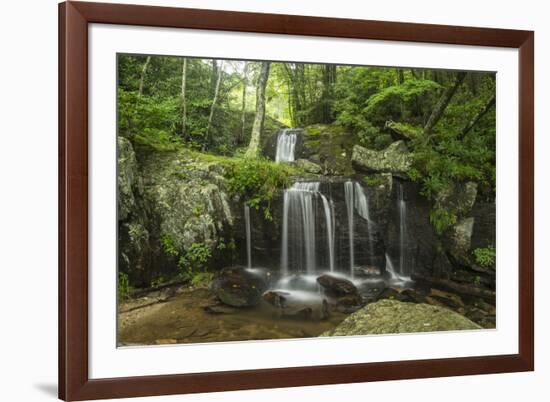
x=261, y=200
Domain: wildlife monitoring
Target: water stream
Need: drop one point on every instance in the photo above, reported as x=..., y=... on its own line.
x=286, y=145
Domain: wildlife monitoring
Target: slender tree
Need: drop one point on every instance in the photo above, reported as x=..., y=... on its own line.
x=329, y=79
x=254, y=145
x=243, y=104
x=213, y=107
x=443, y=102
x=183, y=100
x=490, y=103
x=142, y=76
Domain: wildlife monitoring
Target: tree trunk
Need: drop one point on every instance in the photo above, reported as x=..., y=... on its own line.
x=329, y=78
x=213, y=78
x=143, y=72
x=443, y=102
x=478, y=117
x=206, y=144
x=254, y=146
x=241, y=137
x=183, y=100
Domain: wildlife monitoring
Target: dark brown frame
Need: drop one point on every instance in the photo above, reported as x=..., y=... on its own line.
x=74, y=17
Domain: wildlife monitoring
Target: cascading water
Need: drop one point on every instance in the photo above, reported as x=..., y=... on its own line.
x=402, y=229
x=300, y=233
x=350, y=204
x=329, y=217
x=248, y=236
x=299, y=230
x=286, y=145
x=362, y=206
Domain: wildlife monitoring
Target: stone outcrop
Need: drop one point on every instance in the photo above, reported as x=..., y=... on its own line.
x=395, y=159
x=392, y=316
x=168, y=202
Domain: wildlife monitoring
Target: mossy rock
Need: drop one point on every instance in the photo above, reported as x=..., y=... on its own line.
x=395, y=317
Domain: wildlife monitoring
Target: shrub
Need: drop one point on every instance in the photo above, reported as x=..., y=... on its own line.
x=123, y=286
x=441, y=219
x=485, y=257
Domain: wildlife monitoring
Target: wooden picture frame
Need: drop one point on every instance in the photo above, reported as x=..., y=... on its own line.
x=74, y=381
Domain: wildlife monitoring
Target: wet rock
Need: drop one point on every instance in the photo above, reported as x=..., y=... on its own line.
x=445, y=298
x=392, y=316
x=413, y=296
x=395, y=159
x=337, y=287
x=349, y=304
x=276, y=298
x=219, y=309
x=392, y=294
x=238, y=288
x=367, y=272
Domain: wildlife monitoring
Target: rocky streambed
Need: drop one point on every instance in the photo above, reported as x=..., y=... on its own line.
x=241, y=305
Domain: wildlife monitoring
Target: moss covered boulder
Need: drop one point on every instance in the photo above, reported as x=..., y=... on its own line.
x=392, y=317
x=395, y=159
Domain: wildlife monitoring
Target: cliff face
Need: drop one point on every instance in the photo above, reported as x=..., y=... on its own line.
x=178, y=204
x=169, y=203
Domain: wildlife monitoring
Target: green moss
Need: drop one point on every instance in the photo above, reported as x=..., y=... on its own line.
x=374, y=180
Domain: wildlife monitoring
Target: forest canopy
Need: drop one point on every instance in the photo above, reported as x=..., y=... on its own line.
x=447, y=118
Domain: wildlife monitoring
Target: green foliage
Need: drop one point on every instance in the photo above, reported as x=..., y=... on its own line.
x=201, y=278
x=169, y=245
x=123, y=286
x=398, y=101
x=441, y=219
x=149, y=121
x=374, y=180
x=158, y=281
x=258, y=180
x=195, y=258
x=485, y=257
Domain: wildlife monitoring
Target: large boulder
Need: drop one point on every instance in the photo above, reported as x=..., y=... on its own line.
x=459, y=239
x=458, y=198
x=308, y=166
x=190, y=200
x=395, y=159
x=335, y=286
x=392, y=316
x=238, y=287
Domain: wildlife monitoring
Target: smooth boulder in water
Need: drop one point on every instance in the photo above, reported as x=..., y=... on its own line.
x=238, y=287
x=336, y=287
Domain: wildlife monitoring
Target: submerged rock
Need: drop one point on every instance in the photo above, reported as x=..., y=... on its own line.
x=276, y=298
x=395, y=159
x=238, y=288
x=392, y=316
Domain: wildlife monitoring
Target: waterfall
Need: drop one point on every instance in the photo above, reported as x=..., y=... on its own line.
x=286, y=144
x=299, y=211
x=329, y=216
x=362, y=206
x=248, y=236
x=402, y=229
x=350, y=204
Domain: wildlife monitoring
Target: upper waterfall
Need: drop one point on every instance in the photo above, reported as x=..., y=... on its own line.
x=286, y=145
